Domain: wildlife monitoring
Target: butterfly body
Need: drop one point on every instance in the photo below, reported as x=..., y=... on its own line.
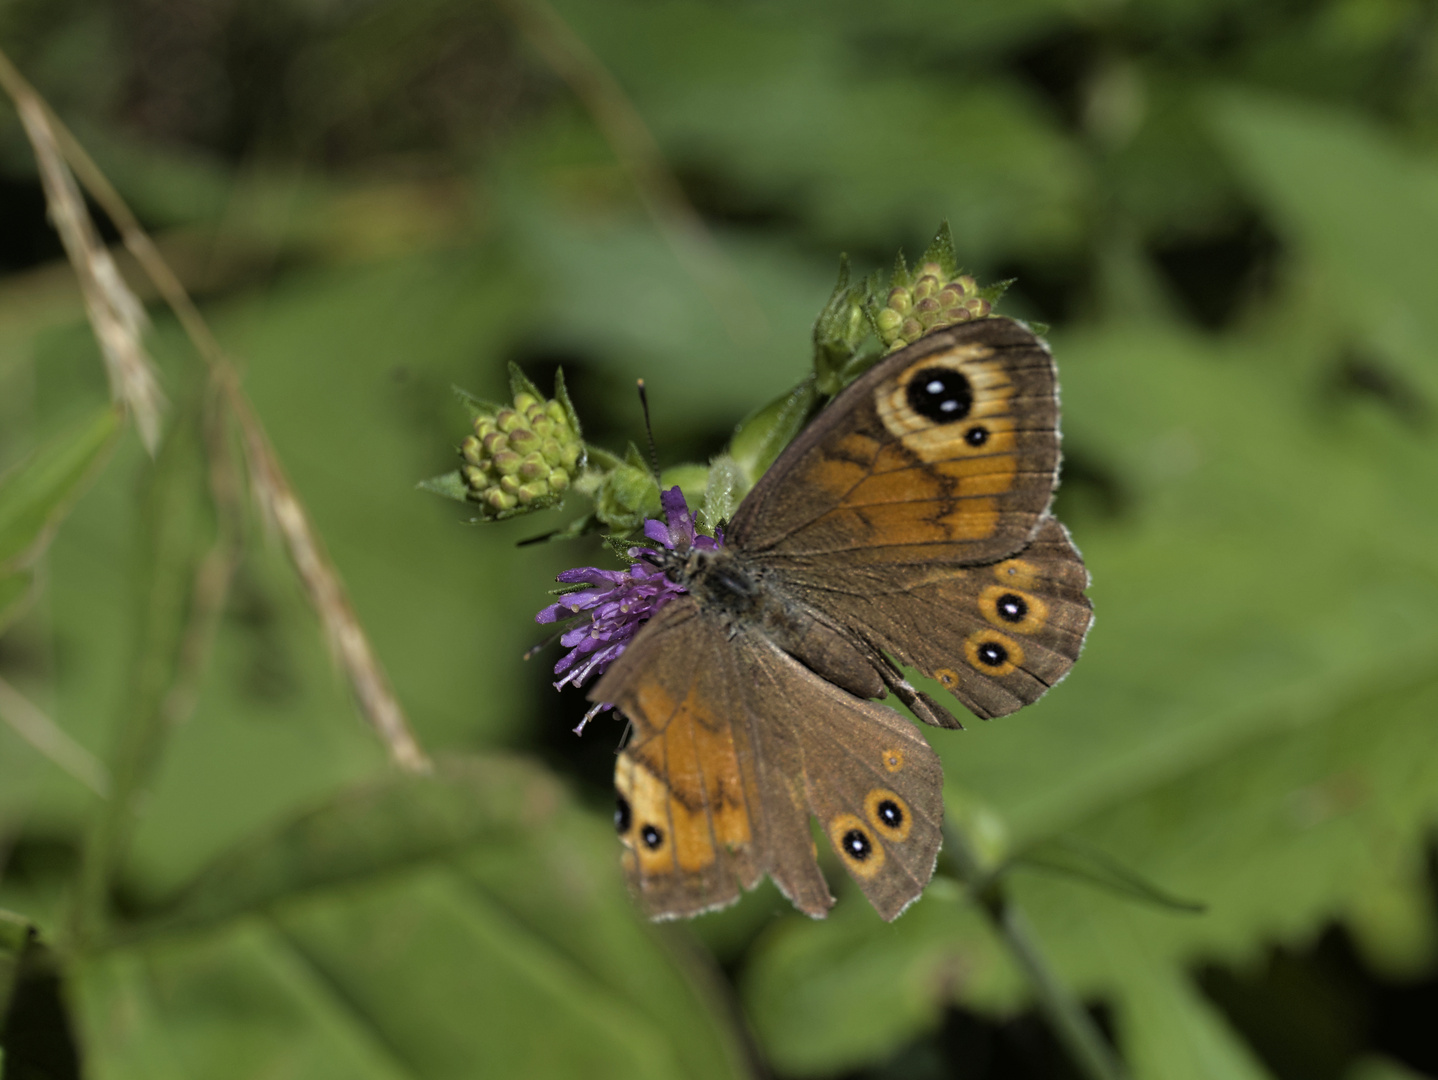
x=908, y=525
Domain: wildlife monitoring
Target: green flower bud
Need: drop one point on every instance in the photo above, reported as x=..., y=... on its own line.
x=930, y=297
x=889, y=321
x=500, y=500
x=521, y=457
x=626, y=496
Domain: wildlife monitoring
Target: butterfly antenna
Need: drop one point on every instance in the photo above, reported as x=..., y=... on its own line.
x=649, y=429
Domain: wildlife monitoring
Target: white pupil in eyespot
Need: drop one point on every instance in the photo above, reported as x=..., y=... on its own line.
x=934, y=387
x=948, y=406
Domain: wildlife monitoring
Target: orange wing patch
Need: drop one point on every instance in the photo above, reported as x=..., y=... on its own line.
x=683, y=787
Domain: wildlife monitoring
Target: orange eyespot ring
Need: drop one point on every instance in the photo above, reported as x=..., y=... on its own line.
x=893, y=759
x=993, y=653
x=856, y=845
x=888, y=813
x=1019, y=573
x=948, y=676
x=1012, y=610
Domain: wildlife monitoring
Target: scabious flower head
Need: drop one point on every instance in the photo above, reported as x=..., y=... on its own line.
x=618, y=602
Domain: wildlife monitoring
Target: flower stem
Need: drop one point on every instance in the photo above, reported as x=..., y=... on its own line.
x=1071, y=1024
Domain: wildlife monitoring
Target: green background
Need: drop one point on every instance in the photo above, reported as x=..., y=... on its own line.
x=1226, y=211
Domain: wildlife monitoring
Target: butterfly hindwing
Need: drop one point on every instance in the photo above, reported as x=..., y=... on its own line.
x=996, y=636
x=731, y=756
x=870, y=778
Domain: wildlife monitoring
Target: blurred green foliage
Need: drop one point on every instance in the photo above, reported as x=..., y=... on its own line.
x=1227, y=211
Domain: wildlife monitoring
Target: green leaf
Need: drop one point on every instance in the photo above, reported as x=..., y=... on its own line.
x=761, y=437
x=1356, y=201
x=1169, y=1031
x=1376, y=1067
x=379, y=827
x=37, y=493
x=177, y=529
x=16, y=935
x=473, y=923
x=14, y=591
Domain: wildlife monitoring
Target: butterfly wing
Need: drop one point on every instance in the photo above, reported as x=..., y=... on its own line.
x=913, y=513
x=996, y=636
x=944, y=453
x=718, y=782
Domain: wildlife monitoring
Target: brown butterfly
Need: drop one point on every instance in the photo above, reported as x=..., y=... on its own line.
x=907, y=525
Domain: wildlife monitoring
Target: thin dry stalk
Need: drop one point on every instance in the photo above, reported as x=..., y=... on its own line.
x=28, y=721
x=277, y=498
x=634, y=145
x=116, y=315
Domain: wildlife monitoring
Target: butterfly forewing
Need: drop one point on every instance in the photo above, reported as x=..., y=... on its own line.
x=945, y=452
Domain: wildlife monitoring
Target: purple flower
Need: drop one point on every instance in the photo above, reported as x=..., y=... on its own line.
x=619, y=602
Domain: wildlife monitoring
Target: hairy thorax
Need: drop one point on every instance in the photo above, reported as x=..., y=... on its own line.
x=742, y=596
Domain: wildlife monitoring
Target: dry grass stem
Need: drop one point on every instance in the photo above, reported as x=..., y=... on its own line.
x=28, y=721
x=639, y=155
x=277, y=498
x=116, y=315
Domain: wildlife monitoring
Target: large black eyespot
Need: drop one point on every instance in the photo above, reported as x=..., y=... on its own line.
x=1011, y=608
x=976, y=435
x=622, y=818
x=993, y=654
x=890, y=814
x=651, y=836
x=940, y=394
x=856, y=845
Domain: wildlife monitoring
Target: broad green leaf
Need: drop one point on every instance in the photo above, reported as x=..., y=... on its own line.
x=1170, y=1031
x=15, y=936
x=177, y=530
x=14, y=589
x=786, y=109
x=373, y=828
x=1376, y=1067
x=35, y=494
x=469, y=924
x=1357, y=201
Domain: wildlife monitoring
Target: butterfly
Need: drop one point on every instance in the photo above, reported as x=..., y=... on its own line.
x=907, y=525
